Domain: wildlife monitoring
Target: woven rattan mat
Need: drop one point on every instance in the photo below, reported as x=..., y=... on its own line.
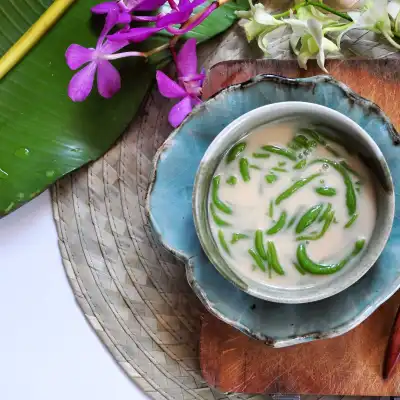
x=132, y=291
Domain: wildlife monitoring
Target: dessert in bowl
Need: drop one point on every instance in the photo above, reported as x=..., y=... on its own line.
x=295, y=199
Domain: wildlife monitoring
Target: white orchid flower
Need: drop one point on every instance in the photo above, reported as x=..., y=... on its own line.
x=394, y=12
x=260, y=21
x=309, y=34
x=375, y=18
x=307, y=12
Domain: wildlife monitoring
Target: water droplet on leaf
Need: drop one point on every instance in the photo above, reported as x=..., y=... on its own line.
x=50, y=174
x=22, y=152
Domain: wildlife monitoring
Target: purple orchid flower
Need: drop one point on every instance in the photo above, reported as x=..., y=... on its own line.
x=124, y=10
x=140, y=5
x=188, y=87
x=178, y=15
x=108, y=78
x=124, y=17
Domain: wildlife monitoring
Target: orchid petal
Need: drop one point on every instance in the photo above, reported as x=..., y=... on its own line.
x=104, y=8
x=187, y=59
x=262, y=40
x=194, y=77
x=299, y=27
x=375, y=17
x=177, y=17
x=179, y=111
x=149, y=5
x=315, y=28
x=263, y=17
x=394, y=12
x=111, y=21
x=252, y=29
x=124, y=18
x=294, y=42
x=184, y=4
x=81, y=83
x=134, y=34
x=108, y=79
x=127, y=5
x=77, y=55
x=110, y=47
x=394, y=8
x=321, y=61
x=169, y=88
x=329, y=46
x=302, y=59
x=146, y=18
x=207, y=11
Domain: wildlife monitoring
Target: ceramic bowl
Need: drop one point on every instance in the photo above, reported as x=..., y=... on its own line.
x=351, y=136
x=169, y=205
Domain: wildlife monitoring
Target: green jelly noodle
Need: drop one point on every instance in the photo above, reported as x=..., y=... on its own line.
x=286, y=197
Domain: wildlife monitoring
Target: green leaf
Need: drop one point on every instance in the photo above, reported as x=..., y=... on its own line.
x=43, y=134
x=16, y=17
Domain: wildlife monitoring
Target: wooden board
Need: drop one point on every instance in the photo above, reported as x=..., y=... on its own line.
x=347, y=365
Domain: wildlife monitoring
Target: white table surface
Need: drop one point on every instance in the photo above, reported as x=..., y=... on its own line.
x=47, y=349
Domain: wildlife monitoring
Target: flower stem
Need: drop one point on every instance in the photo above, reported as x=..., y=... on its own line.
x=174, y=55
x=124, y=55
x=315, y=4
x=390, y=40
x=30, y=38
x=135, y=53
x=156, y=50
x=329, y=9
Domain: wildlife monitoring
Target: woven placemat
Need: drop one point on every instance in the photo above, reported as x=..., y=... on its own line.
x=131, y=290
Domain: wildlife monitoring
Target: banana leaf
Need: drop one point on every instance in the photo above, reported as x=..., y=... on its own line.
x=43, y=134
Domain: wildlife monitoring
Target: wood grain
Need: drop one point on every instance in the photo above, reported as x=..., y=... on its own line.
x=377, y=80
x=347, y=365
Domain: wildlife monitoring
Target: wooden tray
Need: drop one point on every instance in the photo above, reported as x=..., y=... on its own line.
x=347, y=365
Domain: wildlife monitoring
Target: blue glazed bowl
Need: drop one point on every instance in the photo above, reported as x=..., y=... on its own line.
x=352, y=137
x=169, y=205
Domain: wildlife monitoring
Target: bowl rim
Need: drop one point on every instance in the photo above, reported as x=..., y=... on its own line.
x=257, y=117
